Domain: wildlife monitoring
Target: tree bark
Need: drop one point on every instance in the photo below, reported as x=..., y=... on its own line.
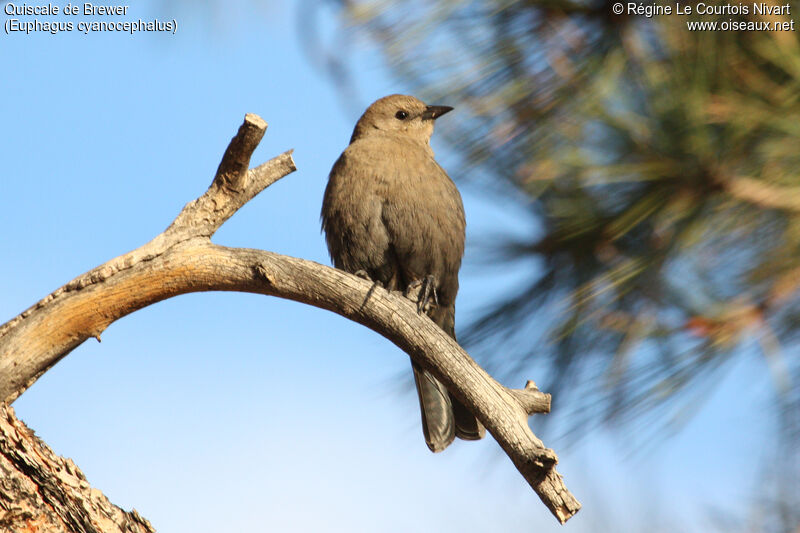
x=42, y=492
x=182, y=259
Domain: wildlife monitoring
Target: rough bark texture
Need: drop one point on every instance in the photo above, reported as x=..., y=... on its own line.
x=42, y=492
x=183, y=259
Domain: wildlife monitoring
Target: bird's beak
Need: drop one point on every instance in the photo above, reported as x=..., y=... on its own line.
x=435, y=111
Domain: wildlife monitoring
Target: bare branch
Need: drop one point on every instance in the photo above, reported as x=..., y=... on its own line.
x=234, y=185
x=232, y=171
x=183, y=259
x=531, y=399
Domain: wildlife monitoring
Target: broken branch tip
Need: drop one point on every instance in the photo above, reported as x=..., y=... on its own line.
x=256, y=121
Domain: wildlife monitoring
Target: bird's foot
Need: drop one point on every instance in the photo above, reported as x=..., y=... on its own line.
x=362, y=274
x=424, y=292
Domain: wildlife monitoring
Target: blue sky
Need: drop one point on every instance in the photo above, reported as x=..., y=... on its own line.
x=226, y=412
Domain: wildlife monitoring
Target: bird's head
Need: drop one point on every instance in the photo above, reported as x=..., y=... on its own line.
x=400, y=114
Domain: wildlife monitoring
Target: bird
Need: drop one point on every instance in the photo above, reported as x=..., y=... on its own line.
x=392, y=214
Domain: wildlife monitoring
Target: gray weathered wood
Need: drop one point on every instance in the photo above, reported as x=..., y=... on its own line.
x=182, y=259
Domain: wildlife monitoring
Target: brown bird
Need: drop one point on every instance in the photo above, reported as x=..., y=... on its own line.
x=391, y=212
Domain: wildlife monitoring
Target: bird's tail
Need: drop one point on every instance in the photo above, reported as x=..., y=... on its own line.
x=467, y=426
x=438, y=424
x=443, y=416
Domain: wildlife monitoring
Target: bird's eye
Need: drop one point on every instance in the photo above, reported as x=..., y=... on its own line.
x=401, y=115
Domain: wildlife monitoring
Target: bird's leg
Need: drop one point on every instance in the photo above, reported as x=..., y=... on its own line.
x=429, y=290
x=376, y=283
x=424, y=289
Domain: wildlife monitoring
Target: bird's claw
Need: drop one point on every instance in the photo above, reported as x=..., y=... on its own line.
x=362, y=274
x=424, y=290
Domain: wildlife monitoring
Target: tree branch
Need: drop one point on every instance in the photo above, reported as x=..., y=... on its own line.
x=183, y=259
